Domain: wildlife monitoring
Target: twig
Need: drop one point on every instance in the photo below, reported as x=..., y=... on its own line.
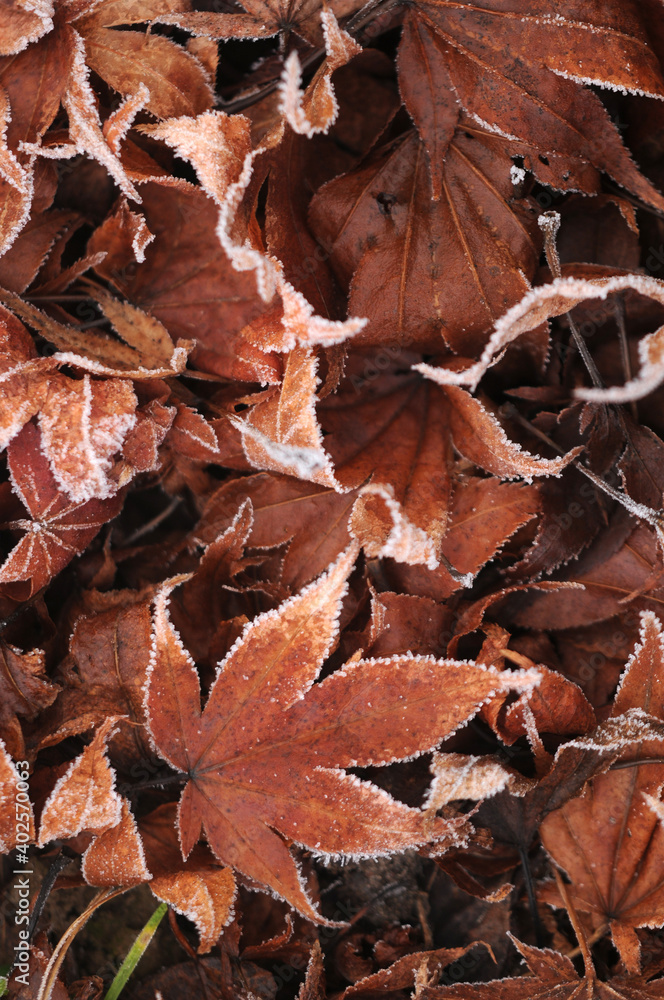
x=154, y=523
x=619, y=310
x=59, y=862
x=549, y=223
x=593, y=939
x=59, y=298
x=620, y=765
x=532, y=899
x=655, y=518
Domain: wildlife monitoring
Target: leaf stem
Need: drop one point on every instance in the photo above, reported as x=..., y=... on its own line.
x=57, y=958
x=584, y=948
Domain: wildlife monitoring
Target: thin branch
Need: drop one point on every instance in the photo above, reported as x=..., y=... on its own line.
x=532, y=899
x=549, y=223
x=619, y=310
x=620, y=765
x=655, y=518
x=145, y=529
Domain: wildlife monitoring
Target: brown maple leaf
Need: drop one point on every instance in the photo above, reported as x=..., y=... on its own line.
x=286, y=511
x=84, y=798
x=24, y=691
x=429, y=273
x=253, y=773
x=553, y=978
x=393, y=443
x=199, y=888
x=149, y=70
x=621, y=569
x=264, y=18
x=109, y=651
x=187, y=282
x=484, y=514
x=609, y=840
x=57, y=528
x=516, y=67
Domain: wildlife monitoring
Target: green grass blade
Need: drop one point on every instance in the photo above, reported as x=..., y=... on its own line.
x=135, y=953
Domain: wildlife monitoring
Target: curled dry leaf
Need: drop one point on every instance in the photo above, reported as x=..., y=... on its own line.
x=24, y=691
x=219, y=148
x=199, y=888
x=282, y=432
x=411, y=970
x=115, y=855
x=317, y=108
x=535, y=308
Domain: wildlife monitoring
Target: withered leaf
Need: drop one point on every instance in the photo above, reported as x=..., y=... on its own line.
x=263, y=19
x=84, y=798
x=187, y=283
x=553, y=978
x=429, y=274
x=199, y=888
x=17, y=823
x=510, y=66
x=285, y=510
x=110, y=651
x=608, y=840
x=24, y=689
x=250, y=775
x=57, y=528
x=115, y=855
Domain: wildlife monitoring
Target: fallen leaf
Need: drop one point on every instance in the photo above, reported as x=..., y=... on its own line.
x=401, y=249
x=608, y=840
x=307, y=726
x=57, y=528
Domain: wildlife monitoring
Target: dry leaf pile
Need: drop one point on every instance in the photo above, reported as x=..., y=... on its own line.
x=331, y=496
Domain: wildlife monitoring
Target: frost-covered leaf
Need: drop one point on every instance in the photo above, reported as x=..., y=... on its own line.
x=251, y=776
x=57, y=528
x=84, y=798
x=608, y=840
x=17, y=823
